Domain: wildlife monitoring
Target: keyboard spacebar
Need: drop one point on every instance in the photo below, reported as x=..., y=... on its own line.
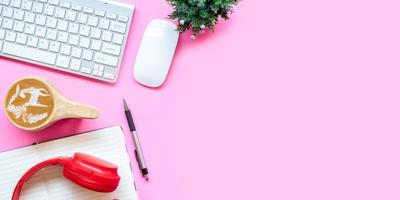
x=29, y=53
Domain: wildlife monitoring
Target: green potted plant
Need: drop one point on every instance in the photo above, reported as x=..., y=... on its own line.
x=198, y=15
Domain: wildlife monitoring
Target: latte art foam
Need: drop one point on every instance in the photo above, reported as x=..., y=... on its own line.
x=29, y=103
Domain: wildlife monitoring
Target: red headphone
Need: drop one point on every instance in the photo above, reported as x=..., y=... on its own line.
x=85, y=170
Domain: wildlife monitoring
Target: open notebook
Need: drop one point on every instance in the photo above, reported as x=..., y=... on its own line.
x=49, y=183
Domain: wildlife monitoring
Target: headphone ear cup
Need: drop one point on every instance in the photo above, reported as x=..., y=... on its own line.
x=92, y=173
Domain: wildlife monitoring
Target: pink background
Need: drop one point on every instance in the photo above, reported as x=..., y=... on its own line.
x=287, y=100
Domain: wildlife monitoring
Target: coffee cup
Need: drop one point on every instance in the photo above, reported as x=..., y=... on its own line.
x=33, y=103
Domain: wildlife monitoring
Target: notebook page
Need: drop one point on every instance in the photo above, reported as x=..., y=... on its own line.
x=13, y=164
x=107, y=144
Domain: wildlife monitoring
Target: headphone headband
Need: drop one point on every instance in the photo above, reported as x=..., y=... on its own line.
x=85, y=170
x=33, y=170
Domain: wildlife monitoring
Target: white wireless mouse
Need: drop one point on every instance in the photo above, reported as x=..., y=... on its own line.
x=155, y=53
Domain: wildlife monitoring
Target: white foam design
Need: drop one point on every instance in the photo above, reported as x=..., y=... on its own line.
x=21, y=110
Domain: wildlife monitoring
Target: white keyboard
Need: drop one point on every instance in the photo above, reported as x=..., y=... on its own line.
x=84, y=37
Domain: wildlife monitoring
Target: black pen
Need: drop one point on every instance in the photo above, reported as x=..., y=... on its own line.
x=138, y=148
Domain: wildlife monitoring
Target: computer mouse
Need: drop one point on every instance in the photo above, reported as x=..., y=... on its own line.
x=155, y=53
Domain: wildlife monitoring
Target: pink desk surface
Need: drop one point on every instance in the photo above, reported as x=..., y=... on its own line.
x=288, y=100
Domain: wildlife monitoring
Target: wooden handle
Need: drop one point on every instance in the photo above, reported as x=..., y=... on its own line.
x=70, y=109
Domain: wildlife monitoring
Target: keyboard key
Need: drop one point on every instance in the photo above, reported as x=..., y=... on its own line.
x=8, y=12
x=106, y=59
x=118, y=38
x=30, y=29
x=54, y=2
x=95, y=33
x=51, y=22
x=75, y=64
x=10, y=36
x=59, y=13
x=111, y=49
x=6, y=2
x=108, y=76
x=18, y=26
x=19, y=14
x=37, y=7
x=62, y=61
x=92, y=21
x=117, y=27
x=76, y=52
x=82, y=18
x=21, y=38
x=86, y=70
x=26, y=5
x=73, y=28
x=65, y=49
x=96, y=45
x=88, y=10
x=104, y=23
x=40, y=31
x=62, y=25
x=8, y=24
x=29, y=17
x=76, y=7
x=111, y=15
x=98, y=67
x=70, y=15
x=97, y=73
x=51, y=34
x=62, y=37
x=48, y=10
x=84, y=30
x=54, y=46
x=87, y=55
x=43, y=44
x=65, y=4
x=73, y=40
x=2, y=34
x=29, y=53
x=15, y=3
x=107, y=35
x=100, y=13
x=32, y=41
x=123, y=18
x=84, y=42
x=88, y=64
x=41, y=20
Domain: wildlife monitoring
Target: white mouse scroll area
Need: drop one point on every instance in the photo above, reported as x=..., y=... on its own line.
x=155, y=53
